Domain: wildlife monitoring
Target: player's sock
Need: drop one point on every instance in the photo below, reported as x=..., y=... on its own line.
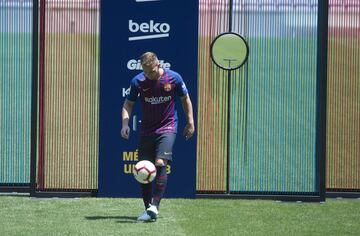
x=146, y=190
x=160, y=186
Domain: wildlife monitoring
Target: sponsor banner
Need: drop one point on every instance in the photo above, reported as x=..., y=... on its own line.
x=129, y=28
x=134, y=64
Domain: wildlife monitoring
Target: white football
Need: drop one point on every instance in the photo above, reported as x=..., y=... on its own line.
x=144, y=171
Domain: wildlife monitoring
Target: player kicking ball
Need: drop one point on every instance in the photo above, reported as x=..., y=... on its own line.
x=157, y=89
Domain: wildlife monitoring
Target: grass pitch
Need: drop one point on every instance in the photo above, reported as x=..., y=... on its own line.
x=105, y=216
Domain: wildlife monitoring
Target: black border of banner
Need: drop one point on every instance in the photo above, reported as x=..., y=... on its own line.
x=342, y=193
x=34, y=96
x=321, y=92
x=262, y=196
x=15, y=188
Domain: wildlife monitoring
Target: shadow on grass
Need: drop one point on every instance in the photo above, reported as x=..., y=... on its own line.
x=120, y=219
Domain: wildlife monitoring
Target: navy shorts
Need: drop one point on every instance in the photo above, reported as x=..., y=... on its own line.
x=156, y=146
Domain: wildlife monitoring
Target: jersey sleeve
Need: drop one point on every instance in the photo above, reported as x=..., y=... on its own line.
x=180, y=86
x=134, y=91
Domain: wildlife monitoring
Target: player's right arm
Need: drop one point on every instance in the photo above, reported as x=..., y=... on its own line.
x=125, y=114
x=127, y=108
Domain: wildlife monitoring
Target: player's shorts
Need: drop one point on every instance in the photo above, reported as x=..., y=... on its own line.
x=156, y=146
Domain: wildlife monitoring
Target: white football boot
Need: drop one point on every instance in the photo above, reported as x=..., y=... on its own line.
x=144, y=217
x=152, y=211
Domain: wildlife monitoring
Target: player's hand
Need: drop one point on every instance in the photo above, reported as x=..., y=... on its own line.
x=189, y=130
x=125, y=132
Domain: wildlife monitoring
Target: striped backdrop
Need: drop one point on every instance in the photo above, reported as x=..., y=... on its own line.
x=15, y=91
x=273, y=99
x=68, y=95
x=212, y=101
x=343, y=123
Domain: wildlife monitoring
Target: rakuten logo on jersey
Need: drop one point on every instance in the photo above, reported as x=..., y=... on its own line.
x=157, y=100
x=134, y=64
x=149, y=30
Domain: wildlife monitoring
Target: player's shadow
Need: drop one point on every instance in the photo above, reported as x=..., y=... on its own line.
x=120, y=219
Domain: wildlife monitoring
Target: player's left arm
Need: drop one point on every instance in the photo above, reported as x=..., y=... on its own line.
x=188, y=109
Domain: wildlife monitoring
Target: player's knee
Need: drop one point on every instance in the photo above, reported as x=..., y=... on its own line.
x=160, y=162
x=161, y=181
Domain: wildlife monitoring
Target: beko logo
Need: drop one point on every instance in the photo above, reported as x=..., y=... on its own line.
x=150, y=30
x=136, y=64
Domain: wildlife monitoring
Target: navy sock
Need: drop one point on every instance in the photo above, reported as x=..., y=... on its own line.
x=160, y=185
x=146, y=190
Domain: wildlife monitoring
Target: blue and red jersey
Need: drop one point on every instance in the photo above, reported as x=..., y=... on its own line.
x=158, y=101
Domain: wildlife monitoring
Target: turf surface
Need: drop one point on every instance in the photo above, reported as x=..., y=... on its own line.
x=105, y=216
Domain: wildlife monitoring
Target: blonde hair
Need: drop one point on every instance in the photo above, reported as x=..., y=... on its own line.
x=149, y=59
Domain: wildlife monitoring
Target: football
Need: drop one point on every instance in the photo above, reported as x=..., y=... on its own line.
x=144, y=171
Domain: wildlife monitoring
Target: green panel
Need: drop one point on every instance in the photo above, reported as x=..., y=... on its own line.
x=15, y=93
x=273, y=104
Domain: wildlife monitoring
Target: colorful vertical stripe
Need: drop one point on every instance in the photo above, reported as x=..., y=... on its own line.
x=69, y=95
x=273, y=103
x=343, y=105
x=15, y=90
x=273, y=99
x=212, y=101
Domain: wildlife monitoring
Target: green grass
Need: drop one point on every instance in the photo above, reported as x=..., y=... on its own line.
x=105, y=216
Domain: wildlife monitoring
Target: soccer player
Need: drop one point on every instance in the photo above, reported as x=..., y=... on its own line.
x=157, y=89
